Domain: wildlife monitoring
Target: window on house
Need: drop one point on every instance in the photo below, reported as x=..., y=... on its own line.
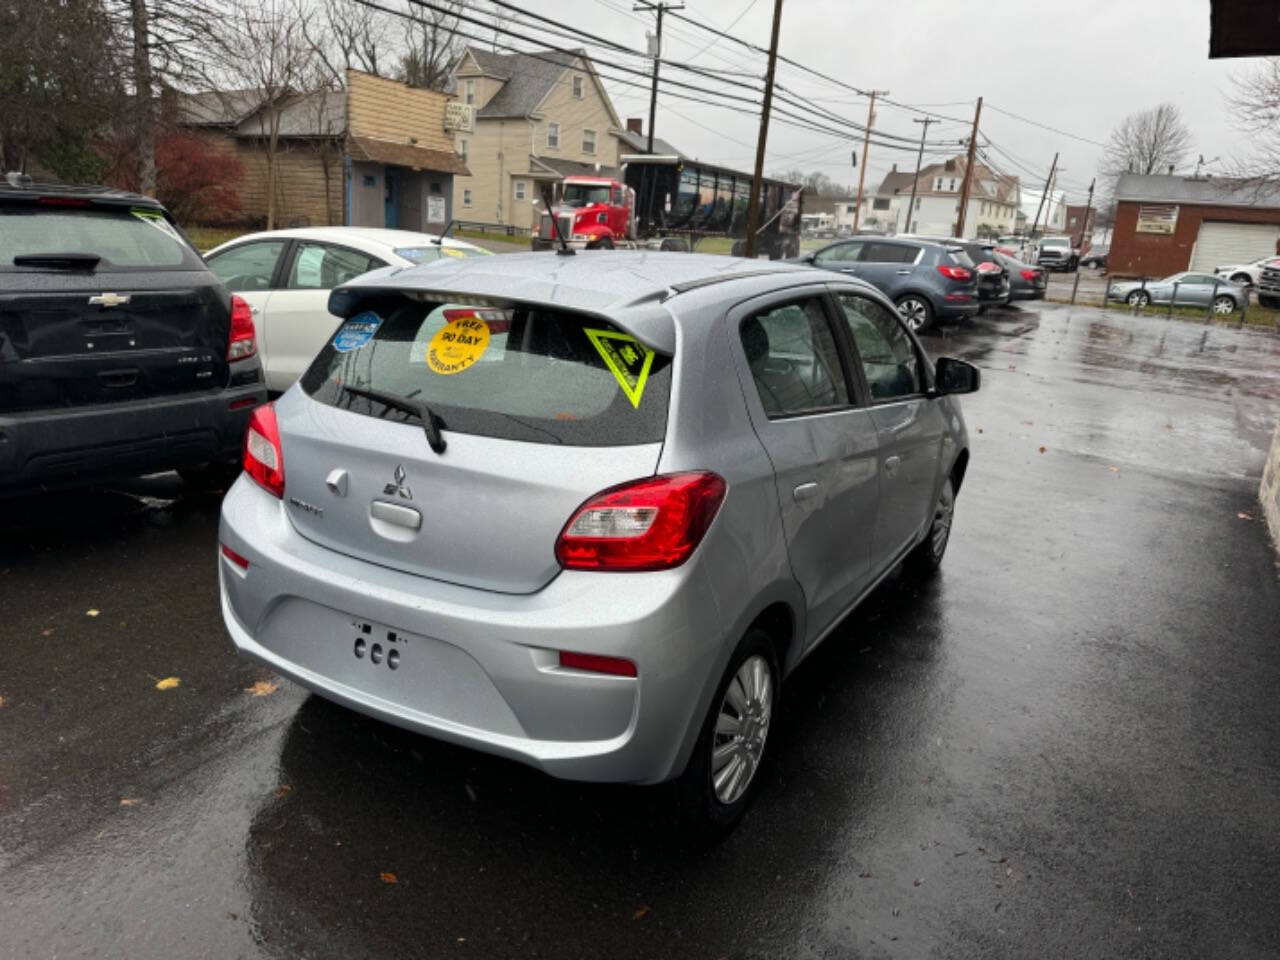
x=951, y=185
x=466, y=198
x=577, y=86
x=880, y=203
x=588, y=141
x=937, y=184
x=462, y=149
x=553, y=136
x=521, y=187
x=470, y=87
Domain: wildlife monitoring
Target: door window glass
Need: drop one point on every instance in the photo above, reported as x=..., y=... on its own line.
x=318, y=266
x=793, y=359
x=247, y=267
x=889, y=253
x=840, y=253
x=889, y=359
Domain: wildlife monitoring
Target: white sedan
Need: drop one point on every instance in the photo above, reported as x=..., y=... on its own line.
x=285, y=276
x=1246, y=273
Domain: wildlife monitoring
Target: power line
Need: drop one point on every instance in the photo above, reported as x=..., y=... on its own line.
x=1043, y=126
x=733, y=23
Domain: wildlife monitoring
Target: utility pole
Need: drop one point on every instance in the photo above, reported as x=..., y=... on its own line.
x=1047, y=184
x=753, y=208
x=657, y=56
x=911, y=207
x=1088, y=208
x=866, y=142
x=968, y=173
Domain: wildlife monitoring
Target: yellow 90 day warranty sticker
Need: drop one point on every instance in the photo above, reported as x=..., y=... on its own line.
x=627, y=359
x=458, y=345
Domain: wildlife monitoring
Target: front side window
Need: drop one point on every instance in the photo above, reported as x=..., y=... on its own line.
x=888, y=357
x=588, y=141
x=792, y=353
x=247, y=267
x=515, y=372
x=553, y=136
x=319, y=266
x=838, y=254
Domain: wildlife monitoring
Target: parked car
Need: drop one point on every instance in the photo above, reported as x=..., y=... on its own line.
x=1019, y=247
x=993, y=278
x=1096, y=257
x=1057, y=253
x=930, y=282
x=120, y=352
x=1247, y=274
x=588, y=512
x=1183, y=289
x=285, y=276
x=1025, y=281
x=1269, y=285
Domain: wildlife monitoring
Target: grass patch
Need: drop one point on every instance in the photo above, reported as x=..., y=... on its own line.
x=206, y=238
x=1262, y=318
x=467, y=233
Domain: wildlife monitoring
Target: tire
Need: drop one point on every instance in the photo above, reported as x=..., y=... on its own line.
x=1224, y=304
x=1072, y=265
x=927, y=555
x=713, y=811
x=1271, y=303
x=1138, y=298
x=1243, y=278
x=605, y=243
x=982, y=308
x=916, y=311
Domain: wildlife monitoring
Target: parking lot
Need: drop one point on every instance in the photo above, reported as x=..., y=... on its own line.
x=1062, y=747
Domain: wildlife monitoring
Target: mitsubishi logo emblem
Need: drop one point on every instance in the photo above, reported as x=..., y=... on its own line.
x=109, y=300
x=397, y=488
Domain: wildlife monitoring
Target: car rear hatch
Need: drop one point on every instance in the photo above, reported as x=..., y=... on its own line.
x=102, y=303
x=538, y=409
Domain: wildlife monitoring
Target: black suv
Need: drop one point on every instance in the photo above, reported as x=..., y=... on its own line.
x=120, y=352
x=994, y=286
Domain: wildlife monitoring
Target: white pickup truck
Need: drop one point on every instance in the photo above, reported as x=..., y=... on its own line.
x=1057, y=253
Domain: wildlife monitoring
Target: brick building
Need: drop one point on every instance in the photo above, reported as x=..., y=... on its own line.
x=1165, y=224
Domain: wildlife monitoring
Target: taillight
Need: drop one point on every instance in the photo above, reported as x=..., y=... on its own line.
x=243, y=342
x=954, y=273
x=651, y=524
x=263, y=458
x=1031, y=276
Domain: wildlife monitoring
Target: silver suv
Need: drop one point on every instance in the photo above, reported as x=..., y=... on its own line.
x=587, y=512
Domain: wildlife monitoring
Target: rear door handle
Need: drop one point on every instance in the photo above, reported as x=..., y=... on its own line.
x=891, y=465
x=806, y=491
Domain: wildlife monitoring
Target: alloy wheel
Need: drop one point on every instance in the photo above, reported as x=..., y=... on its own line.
x=1138, y=298
x=742, y=725
x=943, y=514
x=1223, y=305
x=915, y=312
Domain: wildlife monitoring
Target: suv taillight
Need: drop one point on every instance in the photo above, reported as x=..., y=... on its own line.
x=651, y=524
x=243, y=342
x=263, y=458
x=954, y=273
x=1031, y=276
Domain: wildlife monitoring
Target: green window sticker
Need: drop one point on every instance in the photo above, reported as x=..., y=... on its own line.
x=627, y=359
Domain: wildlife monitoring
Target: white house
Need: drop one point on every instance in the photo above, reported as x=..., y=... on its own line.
x=994, y=199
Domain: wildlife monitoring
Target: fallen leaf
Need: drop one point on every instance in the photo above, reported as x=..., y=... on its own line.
x=1, y=701
x=998, y=902
x=979, y=429
x=388, y=877
x=1114, y=469
x=168, y=683
x=261, y=688
x=47, y=632
x=91, y=613
x=1244, y=516
x=232, y=916
x=130, y=801
x=283, y=790
x=1029, y=423
x=865, y=875
x=640, y=913
x=916, y=883
x=1042, y=449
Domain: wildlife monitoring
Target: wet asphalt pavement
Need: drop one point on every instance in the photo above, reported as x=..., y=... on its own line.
x=1065, y=746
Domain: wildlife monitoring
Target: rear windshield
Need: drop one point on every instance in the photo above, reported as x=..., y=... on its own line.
x=960, y=258
x=519, y=373
x=124, y=239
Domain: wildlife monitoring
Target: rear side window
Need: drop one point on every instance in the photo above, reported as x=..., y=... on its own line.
x=124, y=239
x=890, y=253
x=321, y=266
x=513, y=372
x=793, y=358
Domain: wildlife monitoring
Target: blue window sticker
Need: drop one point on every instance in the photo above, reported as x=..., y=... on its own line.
x=357, y=331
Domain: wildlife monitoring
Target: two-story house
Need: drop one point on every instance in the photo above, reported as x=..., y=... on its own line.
x=994, y=199
x=537, y=118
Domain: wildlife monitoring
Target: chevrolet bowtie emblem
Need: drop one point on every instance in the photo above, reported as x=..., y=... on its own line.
x=109, y=300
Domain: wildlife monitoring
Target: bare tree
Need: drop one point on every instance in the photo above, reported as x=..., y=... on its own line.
x=1255, y=101
x=432, y=47
x=349, y=35
x=1149, y=141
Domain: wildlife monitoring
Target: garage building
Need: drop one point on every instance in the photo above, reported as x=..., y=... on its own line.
x=1165, y=224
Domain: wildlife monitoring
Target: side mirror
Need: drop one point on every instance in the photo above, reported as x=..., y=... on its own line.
x=956, y=376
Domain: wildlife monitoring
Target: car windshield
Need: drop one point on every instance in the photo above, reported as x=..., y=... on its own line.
x=581, y=194
x=1055, y=242
x=124, y=239
x=514, y=372
x=432, y=252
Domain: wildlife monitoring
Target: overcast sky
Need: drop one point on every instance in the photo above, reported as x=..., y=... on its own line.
x=1077, y=65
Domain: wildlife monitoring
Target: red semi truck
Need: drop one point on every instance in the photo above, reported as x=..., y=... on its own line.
x=669, y=203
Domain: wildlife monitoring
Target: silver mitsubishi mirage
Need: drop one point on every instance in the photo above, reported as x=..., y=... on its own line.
x=588, y=511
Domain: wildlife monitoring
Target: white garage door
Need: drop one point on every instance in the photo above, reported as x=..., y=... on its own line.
x=1222, y=243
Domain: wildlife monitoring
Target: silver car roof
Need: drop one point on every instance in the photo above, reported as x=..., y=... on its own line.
x=627, y=287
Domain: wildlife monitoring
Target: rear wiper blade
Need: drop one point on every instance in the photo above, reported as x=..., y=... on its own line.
x=430, y=424
x=70, y=261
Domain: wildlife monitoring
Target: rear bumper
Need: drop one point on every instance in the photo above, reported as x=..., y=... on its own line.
x=46, y=449
x=954, y=310
x=475, y=667
x=1036, y=293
